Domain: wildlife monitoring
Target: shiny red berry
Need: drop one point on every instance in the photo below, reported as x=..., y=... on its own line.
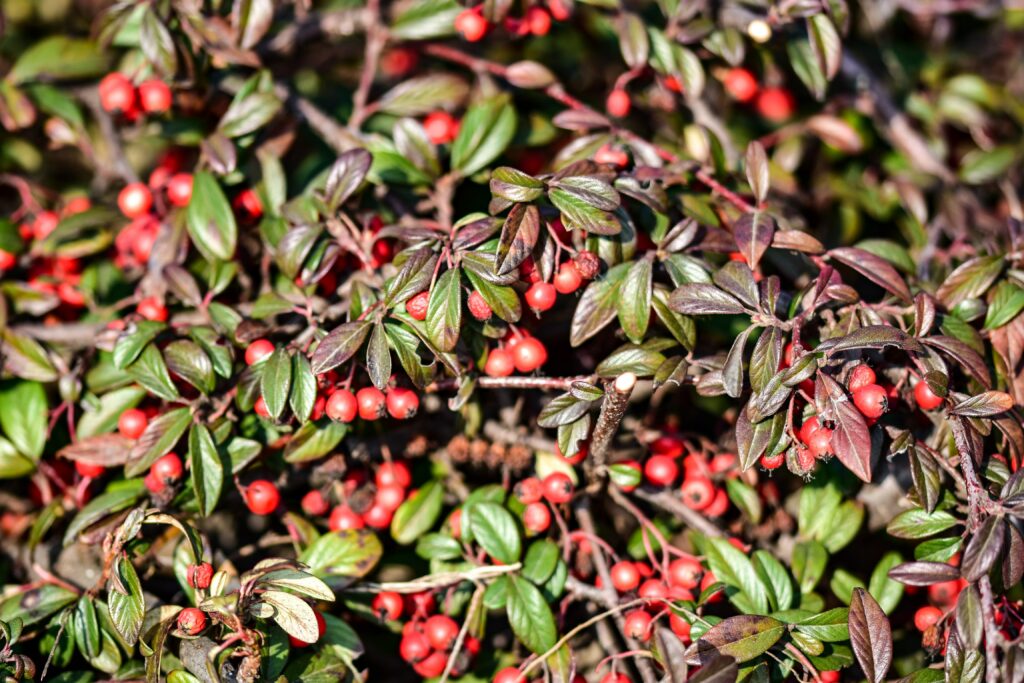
x=618, y=103
x=258, y=350
x=135, y=200
x=441, y=631
x=402, y=403
x=417, y=305
x=740, y=84
x=471, y=24
x=150, y=308
x=541, y=296
x=371, y=401
x=638, y=625
x=191, y=621
x=926, y=617
x=537, y=518
x=117, y=94
x=538, y=20
x=154, y=96
x=625, y=576
x=925, y=398
x=685, y=572
x=132, y=423
x=820, y=443
x=342, y=406
x=500, y=363
x=861, y=376
x=441, y=127
x=568, y=278
x=89, y=470
x=558, y=488
x=871, y=401
x=388, y=605
x=179, y=189
x=698, y=492
x=343, y=517
x=414, y=647
x=200, y=575
x=262, y=497
x=775, y=104
x=314, y=504
x=529, y=354
x=167, y=468
x=529, y=490
x=661, y=470
x=393, y=473
x=509, y=674
x=478, y=307
x=772, y=462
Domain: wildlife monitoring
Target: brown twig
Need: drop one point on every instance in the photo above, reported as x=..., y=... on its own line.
x=669, y=503
x=613, y=407
x=376, y=37
x=563, y=383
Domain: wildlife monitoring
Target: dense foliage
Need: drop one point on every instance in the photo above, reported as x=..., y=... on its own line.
x=547, y=340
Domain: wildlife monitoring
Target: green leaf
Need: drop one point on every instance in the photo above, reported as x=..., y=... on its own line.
x=187, y=360
x=314, y=440
x=1007, y=303
x=515, y=186
x=986, y=165
x=125, y=600
x=496, y=530
x=418, y=513
x=132, y=342
x=484, y=133
x=339, y=345
x=378, y=357
x=734, y=569
x=743, y=638
x=541, y=561
x=32, y=605
x=917, y=523
x=102, y=418
x=347, y=553
x=210, y=220
x=530, y=616
x=777, y=580
x=161, y=434
x=125, y=495
x=249, y=111
x=207, y=468
x=150, y=371
x=25, y=357
x=830, y=626
x=23, y=416
x=276, y=382
x=809, y=560
x=58, y=57
x=883, y=589
x=444, y=312
x=598, y=305
x=634, y=302
x=303, y=392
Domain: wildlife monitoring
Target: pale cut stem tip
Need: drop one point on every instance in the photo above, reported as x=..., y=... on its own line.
x=624, y=383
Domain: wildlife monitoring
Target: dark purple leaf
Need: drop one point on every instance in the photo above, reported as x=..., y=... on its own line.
x=795, y=240
x=743, y=638
x=753, y=233
x=985, y=404
x=850, y=438
x=1013, y=558
x=518, y=236
x=697, y=298
x=923, y=573
x=345, y=176
x=109, y=450
x=340, y=345
x=924, y=313
x=874, y=268
x=970, y=619
x=983, y=548
x=719, y=670
x=732, y=371
x=870, y=635
x=871, y=337
x=413, y=278
x=736, y=278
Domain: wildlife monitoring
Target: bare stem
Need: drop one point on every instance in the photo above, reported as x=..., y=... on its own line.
x=510, y=383
x=612, y=409
x=669, y=503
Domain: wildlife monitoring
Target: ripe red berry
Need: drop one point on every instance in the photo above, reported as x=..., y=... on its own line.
x=541, y=296
x=117, y=94
x=191, y=621
x=402, y=403
x=661, y=470
x=393, y=473
x=433, y=666
x=249, y=204
x=200, y=575
x=342, y=406
x=861, y=376
x=441, y=631
x=167, y=469
x=558, y=488
x=871, y=401
x=89, y=470
x=135, y=200
x=154, y=96
x=679, y=626
x=342, y=518
x=529, y=490
x=262, y=497
x=624, y=575
x=371, y=401
x=321, y=628
x=500, y=363
x=926, y=617
x=611, y=155
x=775, y=104
x=740, y=84
x=478, y=307
x=808, y=428
x=471, y=24
x=820, y=443
x=132, y=423
x=179, y=189
x=616, y=677
x=945, y=593
x=618, y=103
x=314, y=504
x=685, y=572
x=538, y=20
x=509, y=674
x=568, y=278
x=260, y=408
x=709, y=580
x=150, y=308
x=7, y=260
x=537, y=518
x=925, y=398
x=388, y=605
x=529, y=354
x=638, y=625
x=417, y=305
x=258, y=350
x=414, y=647
x=698, y=492
x=771, y=462
x=389, y=497
x=830, y=676
x=441, y=127
x=719, y=504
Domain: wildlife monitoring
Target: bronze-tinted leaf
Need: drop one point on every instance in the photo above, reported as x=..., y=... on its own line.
x=742, y=638
x=796, y=240
x=871, y=337
x=753, y=233
x=757, y=175
x=697, y=298
x=732, y=371
x=346, y=175
x=923, y=573
x=971, y=279
x=970, y=619
x=850, y=438
x=874, y=268
x=986, y=404
x=340, y=345
x=963, y=355
x=983, y=548
x=870, y=635
x=108, y=450
x=519, y=235
x=1013, y=558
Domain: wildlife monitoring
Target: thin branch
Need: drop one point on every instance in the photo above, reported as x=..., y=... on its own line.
x=671, y=504
x=376, y=37
x=474, y=605
x=562, y=383
x=613, y=407
x=438, y=580
x=991, y=630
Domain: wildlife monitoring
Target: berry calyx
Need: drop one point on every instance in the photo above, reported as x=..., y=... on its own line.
x=925, y=398
x=262, y=497
x=402, y=403
x=541, y=296
x=132, y=423
x=200, y=575
x=371, y=401
x=342, y=406
x=191, y=621
x=417, y=305
x=871, y=400
x=258, y=350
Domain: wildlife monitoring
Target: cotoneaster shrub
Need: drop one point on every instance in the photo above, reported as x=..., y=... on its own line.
x=568, y=341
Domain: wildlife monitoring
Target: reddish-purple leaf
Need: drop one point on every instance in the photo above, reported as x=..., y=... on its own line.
x=983, y=548
x=963, y=355
x=874, y=268
x=850, y=438
x=518, y=236
x=698, y=298
x=340, y=345
x=986, y=404
x=870, y=635
x=109, y=450
x=923, y=573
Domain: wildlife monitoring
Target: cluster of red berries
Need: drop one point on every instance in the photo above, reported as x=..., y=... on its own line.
x=427, y=639
x=472, y=25
x=118, y=95
x=519, y=352
x=556, y=488
x=391, y=481
x=773, y=103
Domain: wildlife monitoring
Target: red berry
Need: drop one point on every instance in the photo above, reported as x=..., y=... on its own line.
x=200, y=575
x=154, y=96
x=258, y=350
x=775, y=104
x=558, y=488
x=260, y=407
x=861, y=376
x=618, y=103
x=638, y=625
x=653, y=589
x=89, y=470
x=723, y=462
x=150, y=308
x=529, y=490
x=416, y=306
x=625, y=576
x=926, y=617
x=135, y=200
x=441, y=127
x=538, y=20
x=342, y=518
x=679, y=626
x=616, y=678
x=342, y=406
x=925, y=398
x=249, y=204
x=371, y=401
x=698, y=492
x=719, y=504
x=167, y=469
x=500, y=363
x=478, y=307
x=808, y=428
x=537, y=517
x=871, y=401
x=441, y=631
x=740, y=84
x=132, y=423
x=509, y=674
x=611, y=155
x=262, y=497
x=321, y=628
x=471, y=24
x=7, y=260
x=433, y=665
x=44, y=224
x=820, y=443
x=541, y=296
x=389, y=497
x=771, y=462
x=708, y=581
x=402, y=403
x=179, y=189
x=830, y=676
x=117, y=94
x=191, y=621
x=685, y=572
x=394, y=473
x=388, y=605
x=414, y=647
x=568, y=278
x=576, y=458
x=314, y=504
x=945, y=593
x=661, y=470
x=529, y=354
